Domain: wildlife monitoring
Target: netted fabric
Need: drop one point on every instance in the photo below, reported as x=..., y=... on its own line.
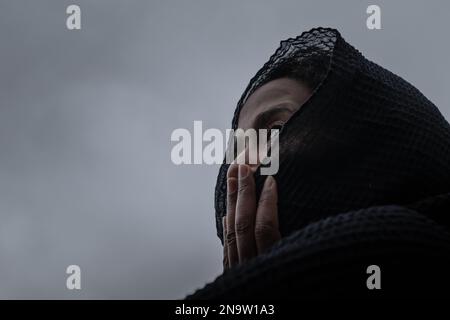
x=366, y=138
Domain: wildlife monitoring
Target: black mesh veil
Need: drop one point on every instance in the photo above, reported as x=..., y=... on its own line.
x=366, y=137
x=364, y=174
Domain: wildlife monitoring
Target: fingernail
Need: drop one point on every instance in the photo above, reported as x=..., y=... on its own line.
x=232, y=170
x=243, y=171
x=231, y=185
x=270, y=182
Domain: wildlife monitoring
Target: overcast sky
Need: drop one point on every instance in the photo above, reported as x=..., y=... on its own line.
x=86, y=117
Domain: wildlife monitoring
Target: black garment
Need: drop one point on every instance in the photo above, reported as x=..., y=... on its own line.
x=364, y=179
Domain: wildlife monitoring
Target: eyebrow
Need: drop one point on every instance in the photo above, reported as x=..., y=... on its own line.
x=263, y=118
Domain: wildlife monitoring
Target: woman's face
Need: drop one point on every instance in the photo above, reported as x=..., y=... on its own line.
x=271, y=105
x=251, y=224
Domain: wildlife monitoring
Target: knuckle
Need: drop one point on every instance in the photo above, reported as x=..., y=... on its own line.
x=244, y=187
x=264, y=230
x=230, y=238
x=242, y=227
x=232, y=194
x=265, y=199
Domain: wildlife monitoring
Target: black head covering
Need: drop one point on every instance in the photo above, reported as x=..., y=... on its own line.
x=366, y=137
x=364, y=177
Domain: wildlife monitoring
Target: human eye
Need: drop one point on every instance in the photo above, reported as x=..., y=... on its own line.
x=277, y=126
x=274, y=126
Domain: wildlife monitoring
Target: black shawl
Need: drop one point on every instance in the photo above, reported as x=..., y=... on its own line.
x=364, y=179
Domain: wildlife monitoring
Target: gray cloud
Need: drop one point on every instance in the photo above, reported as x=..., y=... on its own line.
x=86, y=118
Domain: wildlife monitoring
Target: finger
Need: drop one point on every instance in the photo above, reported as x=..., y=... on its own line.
x=245, y=158
x=266, y=222
x=230, y=240
x=245, y=214
x=225, y=247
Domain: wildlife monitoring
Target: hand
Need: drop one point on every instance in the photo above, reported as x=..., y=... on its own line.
x=249, y=228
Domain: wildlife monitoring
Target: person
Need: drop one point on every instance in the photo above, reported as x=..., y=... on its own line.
x=254, y=228
x=364, y=182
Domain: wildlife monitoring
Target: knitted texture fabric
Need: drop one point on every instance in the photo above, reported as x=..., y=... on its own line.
x=329, y=259
x=364, y=179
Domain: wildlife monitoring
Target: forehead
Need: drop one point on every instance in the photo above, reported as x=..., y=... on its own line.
x=289, y=92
